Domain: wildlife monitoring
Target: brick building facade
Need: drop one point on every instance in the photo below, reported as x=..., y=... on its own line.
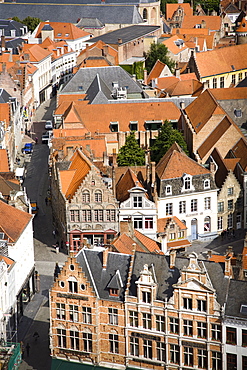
x=142, y=310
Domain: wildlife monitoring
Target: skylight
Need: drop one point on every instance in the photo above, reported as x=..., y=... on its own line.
x=243, y=309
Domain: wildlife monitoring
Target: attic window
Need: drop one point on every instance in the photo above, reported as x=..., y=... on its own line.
x=238, y=113
x=19, y=72
x=80, y=87
x=168, y=189
x=233, y=68
x=1, y=236
x=114, y=126
x=66, y=34
x=133, y=125
x=206, y=184
x=113, y=292
x=59, y=34
x=243, y=309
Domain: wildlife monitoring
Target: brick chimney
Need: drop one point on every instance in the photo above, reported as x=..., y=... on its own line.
x=105, y=257
x=3, y=42
x=145, y=77
x=228, y=265
x=172, y=258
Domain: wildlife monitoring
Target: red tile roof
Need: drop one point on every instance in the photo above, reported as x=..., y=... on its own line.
x=163, y=222
x=156, y=70
x=63, y=30
x=171, y=8
x=13, y=221
x=126, y=182
x=175, y=163
x=212, y=22
x=4, y=162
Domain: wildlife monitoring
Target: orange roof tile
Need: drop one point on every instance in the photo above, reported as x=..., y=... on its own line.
x=9, y=262
x=212, y=22
x=80, y=167
x=36, y=52
x=188, y=76
x=186, y=87
x=97, y=117
x=244, y=258
x=68, y=132
x=171, y=8
x=171, y=45
x=13, y=221
x=175, y=163
x=190, y=31
x=5, y=113
x=151, y=245
x=126, y=182
x=165, y=82
x=240, y=151
x=178, y=244
x=163, y=222
x=221, y=60
x=4, y=162
x=63, y=30
x=229, y=93
x=124, y=244
x=156, y=70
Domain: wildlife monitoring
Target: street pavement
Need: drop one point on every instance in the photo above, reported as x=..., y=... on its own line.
x=36, y=312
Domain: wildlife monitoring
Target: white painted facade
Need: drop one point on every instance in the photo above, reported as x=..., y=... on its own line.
x=239, y=349
x=62, y=66
x=7, y=296
x=22, y=252
x=198, y=210
x=141, y=211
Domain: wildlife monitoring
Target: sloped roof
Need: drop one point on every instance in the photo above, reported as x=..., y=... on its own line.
x=72, y=178
x=126, y=182
x=163, y=222
x=165, y=82
x=151, y=245
x=171, y=8
x=170, y=43
x=221, y=60
x=126, y=34
x=156, y=70
x=62, y=30
x=186, y=87
x=240, y=151
x=237, y=295
x=36, y=52
x=176, y=163
x=124, y=244
x=230, y=93
x=210, y=108
x=13, y=221
x=190, y=31
x=222, y=170
x=4, y=162
x=212, y=22
x=7, y=186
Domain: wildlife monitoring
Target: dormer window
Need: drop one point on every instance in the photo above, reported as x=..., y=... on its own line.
x=133, y=125
x=168, y=190
x=113, y=292
x=137, y=202
x=114, y=126
x=187, y=183
x=146, y=297
x=206, y=184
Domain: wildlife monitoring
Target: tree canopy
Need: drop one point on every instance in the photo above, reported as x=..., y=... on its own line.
x=158, y=51
x=166, y=137
x=131, y=154
x=30, y=22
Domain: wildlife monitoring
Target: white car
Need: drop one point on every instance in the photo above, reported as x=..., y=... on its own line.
x=48, y=125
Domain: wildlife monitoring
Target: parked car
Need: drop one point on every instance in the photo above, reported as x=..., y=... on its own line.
x=46, y=137
x=28, y=148
x=34, y=207
x=48, y=125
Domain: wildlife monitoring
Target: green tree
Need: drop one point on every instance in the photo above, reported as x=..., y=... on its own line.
x=131, y=154
x=30, y=22
x=166, y=137
x=158, y=51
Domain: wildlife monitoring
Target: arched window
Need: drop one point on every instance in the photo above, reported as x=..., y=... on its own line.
x=206, y=184
x=85, y=196
x=98, y=196
x=73, y=285
x=168, y=190
x=207, y=224
x=145, y=14
x=187, y=182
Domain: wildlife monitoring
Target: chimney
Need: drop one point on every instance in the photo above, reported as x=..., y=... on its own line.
x=182, y=105
x=86, y=51
x=105, y=50
x=152, y=173
x=114, y=158
x=209, y=254
x=177, y=72
x=172, y=258
x=203, y=24
x=228, y=265
x=105, y=256
x=3, y=42
x=26, y=56
x=145, y=77
x=119, y=41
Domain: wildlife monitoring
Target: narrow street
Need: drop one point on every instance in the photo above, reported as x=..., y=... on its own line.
x=36, y=312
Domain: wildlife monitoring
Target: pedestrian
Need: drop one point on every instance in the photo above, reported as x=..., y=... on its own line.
x=222, y=234
x=233, y=232
x=36, y=336
x=27, y=349
x=22, y=348
x=46, y=200
x=36, y=140
x=54, y=233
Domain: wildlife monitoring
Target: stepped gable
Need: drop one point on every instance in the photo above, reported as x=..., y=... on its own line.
x=175, y=163
x=13, y=221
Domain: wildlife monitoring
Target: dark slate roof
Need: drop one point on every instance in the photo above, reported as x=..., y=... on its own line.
x=107, y=14
x=242, y=83
x=4, y=96
x=126, y=34
x=63, y=166
x=166, y=277
x=90, y=23
x=14, y=44
x=98, y=92
x=103, y=277
x=237, y=295
x=85, y=76
x=10, y=25
x=88, y=2
x=47, y=27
